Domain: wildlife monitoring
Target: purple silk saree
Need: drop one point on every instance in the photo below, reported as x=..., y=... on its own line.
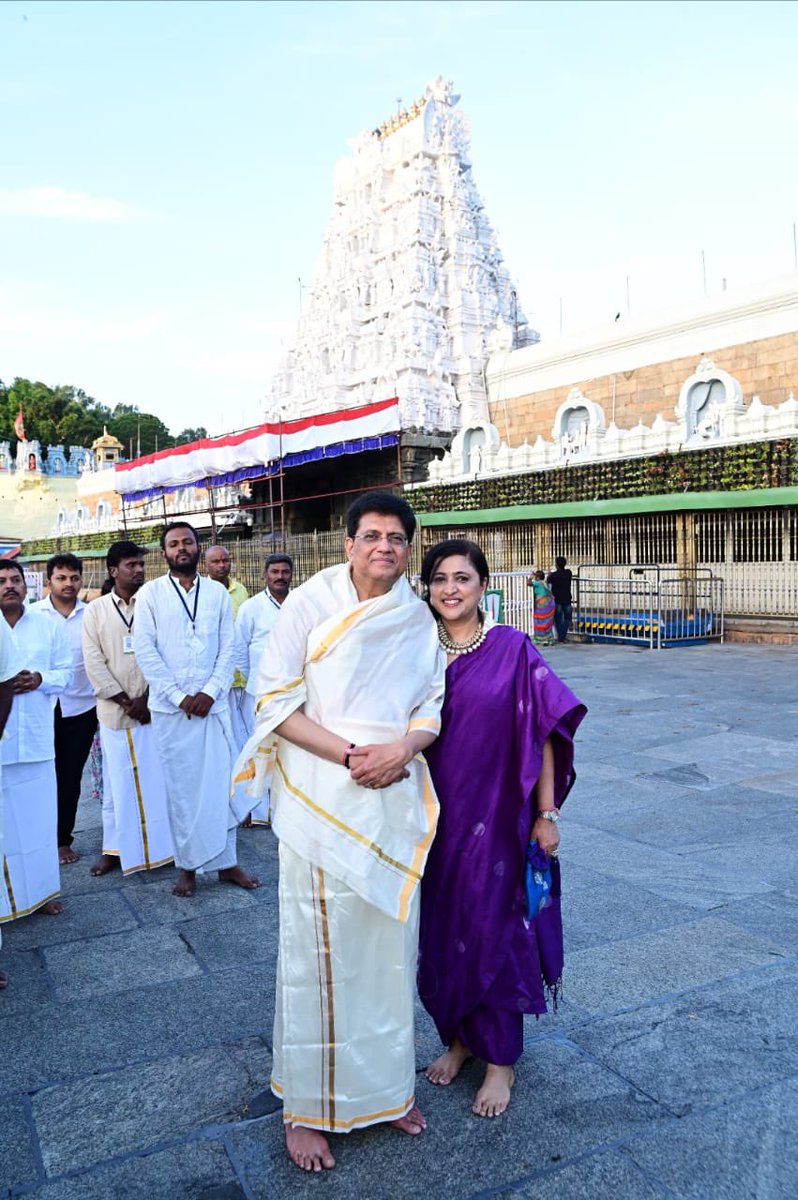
x=475, y=949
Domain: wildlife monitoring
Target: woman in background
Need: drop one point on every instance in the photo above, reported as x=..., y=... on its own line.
x=543, y=607
x=502, y=766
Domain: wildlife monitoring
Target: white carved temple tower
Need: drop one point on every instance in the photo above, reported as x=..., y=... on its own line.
x=410, y=286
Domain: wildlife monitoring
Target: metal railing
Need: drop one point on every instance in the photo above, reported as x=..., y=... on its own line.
x=647, y=605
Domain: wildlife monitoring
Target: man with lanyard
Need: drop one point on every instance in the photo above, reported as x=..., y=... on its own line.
x=75, y=710
x=350, y=693
x=30, y=865
x=136, y=831
x=218, y=567
x=253, y=626
x=183, y=642
x=7, y=672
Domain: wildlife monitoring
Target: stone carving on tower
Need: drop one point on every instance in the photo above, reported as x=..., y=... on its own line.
x=410, y=286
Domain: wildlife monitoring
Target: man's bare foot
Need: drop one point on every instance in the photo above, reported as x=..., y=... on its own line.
x=104, y=864
x=412, y=1122
x=446, y=1066
x=493, y=1097
x=53, y=908
x=308, y=1149
x=67, y=855
x=247, y=822
x=239, y=877
x=3, y=981
x=186, y=884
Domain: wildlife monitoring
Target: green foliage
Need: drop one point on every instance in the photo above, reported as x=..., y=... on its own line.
x=134, y=429
x=715, y=469
x=67, y=416
x=43, y=547
x=191, y=435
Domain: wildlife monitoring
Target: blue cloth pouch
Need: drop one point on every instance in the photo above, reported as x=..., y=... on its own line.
x=537, y=880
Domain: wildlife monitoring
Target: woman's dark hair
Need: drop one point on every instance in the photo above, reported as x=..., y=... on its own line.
x=454, y=546
x=540, y=575
x=384, y=503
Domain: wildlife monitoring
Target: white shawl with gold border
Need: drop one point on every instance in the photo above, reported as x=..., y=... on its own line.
x=369, y=671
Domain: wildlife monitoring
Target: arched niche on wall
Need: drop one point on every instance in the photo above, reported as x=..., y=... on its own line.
x=705, y=398
x=578, y=424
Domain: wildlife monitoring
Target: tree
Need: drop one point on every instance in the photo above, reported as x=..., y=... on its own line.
x=134, y=429
x=51, y=415
x=191, y=435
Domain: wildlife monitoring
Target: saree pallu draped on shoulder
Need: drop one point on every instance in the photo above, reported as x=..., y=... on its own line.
x=369, y=671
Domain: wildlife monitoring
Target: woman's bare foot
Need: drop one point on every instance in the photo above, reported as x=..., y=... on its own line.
x=446, y=1066
x=242, y=878
x=493, y=1097
x=67, y=855
x=53, y=908
x=104, y=864
x=308, y=1149
x=3, y=981
x=186, y=884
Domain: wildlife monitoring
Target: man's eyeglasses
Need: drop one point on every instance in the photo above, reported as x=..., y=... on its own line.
x=397, y=541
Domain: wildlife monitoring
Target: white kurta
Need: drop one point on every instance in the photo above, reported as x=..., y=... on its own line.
x=8, y=669
x=351, y=858
x=30, y=864
x=182, y=650
x=254, y=623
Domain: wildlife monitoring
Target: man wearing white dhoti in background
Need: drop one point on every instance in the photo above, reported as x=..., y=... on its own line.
x=183, y=642
x=218, y=566
x=30, y=863
x=136, y=831
x=350, y=694
x=253, y=626
x=8, y=670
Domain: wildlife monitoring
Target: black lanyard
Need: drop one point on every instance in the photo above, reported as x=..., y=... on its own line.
x=127, y=624
x=192, y=616
x=274, y=602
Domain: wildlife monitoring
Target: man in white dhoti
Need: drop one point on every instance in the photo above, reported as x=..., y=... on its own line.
x=183, y=643
x=8, y=670
x=30, y=863
x=136, y=831
x=350, y=694
x=253, y=626
x=218, y=566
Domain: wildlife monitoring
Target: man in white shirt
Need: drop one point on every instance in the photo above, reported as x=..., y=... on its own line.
x=136, y=831
x=218, y=566
x=7, y=672
x=75, y=710
x=27, y=752
x=253, y=626
x=183, y=642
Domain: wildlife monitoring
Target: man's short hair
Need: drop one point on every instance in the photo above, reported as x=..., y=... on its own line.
x=384, y=503
x=69, y=561
x=120, y=551
x=177, y=525
x=272, y=559
x=559, y=562
x=11, y=564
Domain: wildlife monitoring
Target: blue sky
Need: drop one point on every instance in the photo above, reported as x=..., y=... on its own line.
x=165, y=168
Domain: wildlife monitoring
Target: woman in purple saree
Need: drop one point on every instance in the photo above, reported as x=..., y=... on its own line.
x=502, y=766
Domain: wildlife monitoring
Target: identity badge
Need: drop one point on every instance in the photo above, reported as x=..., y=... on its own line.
x=127, y=644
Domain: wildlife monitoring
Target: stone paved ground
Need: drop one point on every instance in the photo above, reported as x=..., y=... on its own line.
x=135, y=1038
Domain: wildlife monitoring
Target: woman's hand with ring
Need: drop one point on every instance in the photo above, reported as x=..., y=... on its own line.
x=546, y=834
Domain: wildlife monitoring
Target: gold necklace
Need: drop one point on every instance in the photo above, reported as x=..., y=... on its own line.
x=468, y=646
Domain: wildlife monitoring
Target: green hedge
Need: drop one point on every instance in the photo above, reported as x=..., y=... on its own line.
x=745, y=467
x=44, y=547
